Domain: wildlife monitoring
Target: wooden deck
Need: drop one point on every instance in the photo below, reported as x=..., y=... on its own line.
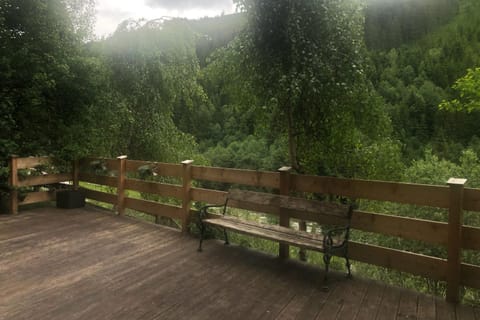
x=87, y=264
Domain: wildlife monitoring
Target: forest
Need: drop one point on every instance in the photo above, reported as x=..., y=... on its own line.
x=385, y=90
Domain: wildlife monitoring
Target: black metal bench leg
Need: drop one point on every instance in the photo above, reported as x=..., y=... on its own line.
x=347, y=263
x=326, y=260
x=202, y=231
x=226, y=237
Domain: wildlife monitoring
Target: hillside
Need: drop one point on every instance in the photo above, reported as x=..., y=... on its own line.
x=413, y=79
x=391, y=23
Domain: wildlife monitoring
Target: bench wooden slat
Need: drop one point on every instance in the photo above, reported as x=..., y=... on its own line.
x=291, y=203
x=269, y=232
x=213, y=220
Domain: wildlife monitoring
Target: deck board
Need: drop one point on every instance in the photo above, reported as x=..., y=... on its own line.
x=89, y=264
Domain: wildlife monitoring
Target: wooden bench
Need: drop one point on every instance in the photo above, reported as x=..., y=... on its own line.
x=332, y=241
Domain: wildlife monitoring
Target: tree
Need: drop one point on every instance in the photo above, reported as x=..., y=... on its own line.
x=82, y=15
x=153, y=74
x=468, y=93
x=307, y=60
x=48, y=85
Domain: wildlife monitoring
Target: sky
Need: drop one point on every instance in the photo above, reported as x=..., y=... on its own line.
x=111, y=12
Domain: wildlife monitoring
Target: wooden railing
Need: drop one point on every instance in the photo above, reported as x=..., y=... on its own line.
x=33, y=179
x=122, y=175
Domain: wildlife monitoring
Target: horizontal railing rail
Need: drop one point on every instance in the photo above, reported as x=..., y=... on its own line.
x=185, y=183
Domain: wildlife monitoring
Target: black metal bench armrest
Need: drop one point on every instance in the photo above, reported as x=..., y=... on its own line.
x=204, y=210
x=203, y=213
x=328, y=239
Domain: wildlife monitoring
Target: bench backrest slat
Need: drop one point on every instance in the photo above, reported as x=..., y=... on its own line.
x=298, y=208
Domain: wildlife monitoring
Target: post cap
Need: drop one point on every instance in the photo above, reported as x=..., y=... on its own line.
x=456, y=181
x=187, y=162
x=285, y=169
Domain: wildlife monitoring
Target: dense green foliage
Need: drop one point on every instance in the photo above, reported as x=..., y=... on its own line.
x=307, y=64
x=415, y=79
x=48, y=83
x=468, y=89
x=391, y=23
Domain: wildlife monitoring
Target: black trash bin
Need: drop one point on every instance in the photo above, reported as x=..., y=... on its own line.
x=70, y=199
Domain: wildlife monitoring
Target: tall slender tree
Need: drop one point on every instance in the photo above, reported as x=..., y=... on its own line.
x=307, y=59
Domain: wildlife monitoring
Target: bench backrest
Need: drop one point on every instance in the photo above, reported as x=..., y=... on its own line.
x=322, y=212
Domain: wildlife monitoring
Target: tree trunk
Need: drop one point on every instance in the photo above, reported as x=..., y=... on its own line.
x=294, y=163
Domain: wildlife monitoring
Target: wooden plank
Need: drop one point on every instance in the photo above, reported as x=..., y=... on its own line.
x=389, y=305
x=216, y=219
x=444, y=311
x=208, y=196
x=417, y=194
x=464, y=313
x=100, y=196
x=370, y=302
x=270, y=232
x=46, y=179
x=31, y=162
x=470, y=275
x=237, y=176
x=406, y=228
x=476, y=310
x=154, y=208
x=407, y=308
x=331, y=308
x=254, y=207
x=426, y=309
x=160, y=168
x=41, y=196
x=417, y=264
x=314, y=304
x=471, y=199
x=163, y=189
x=290, y=203
x=297, y=208
x=100, y=180
x=471, y=238
x=353, y=294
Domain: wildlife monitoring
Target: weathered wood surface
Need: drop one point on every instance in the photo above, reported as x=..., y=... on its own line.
x=46, y=179
x=268, y=200
x=270, y=232
x=88, y=264
x=238, y=176
x=160, y=168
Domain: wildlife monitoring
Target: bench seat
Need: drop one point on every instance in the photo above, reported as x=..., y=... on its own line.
x=333, y=241
x=272, y=232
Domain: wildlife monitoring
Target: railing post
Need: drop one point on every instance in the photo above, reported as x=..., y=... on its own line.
x=455, y=222
x=283, y=249
x=186, y=198
x=122, y=168
x=13, y=183
x=75, y=174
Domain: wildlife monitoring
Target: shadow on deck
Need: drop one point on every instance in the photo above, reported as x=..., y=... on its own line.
x=88, y=264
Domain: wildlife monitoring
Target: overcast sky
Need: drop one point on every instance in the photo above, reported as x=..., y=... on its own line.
x=111, y=12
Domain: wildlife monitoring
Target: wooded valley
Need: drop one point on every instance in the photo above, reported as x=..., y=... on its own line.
x=385, y=90
x=229, y=91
